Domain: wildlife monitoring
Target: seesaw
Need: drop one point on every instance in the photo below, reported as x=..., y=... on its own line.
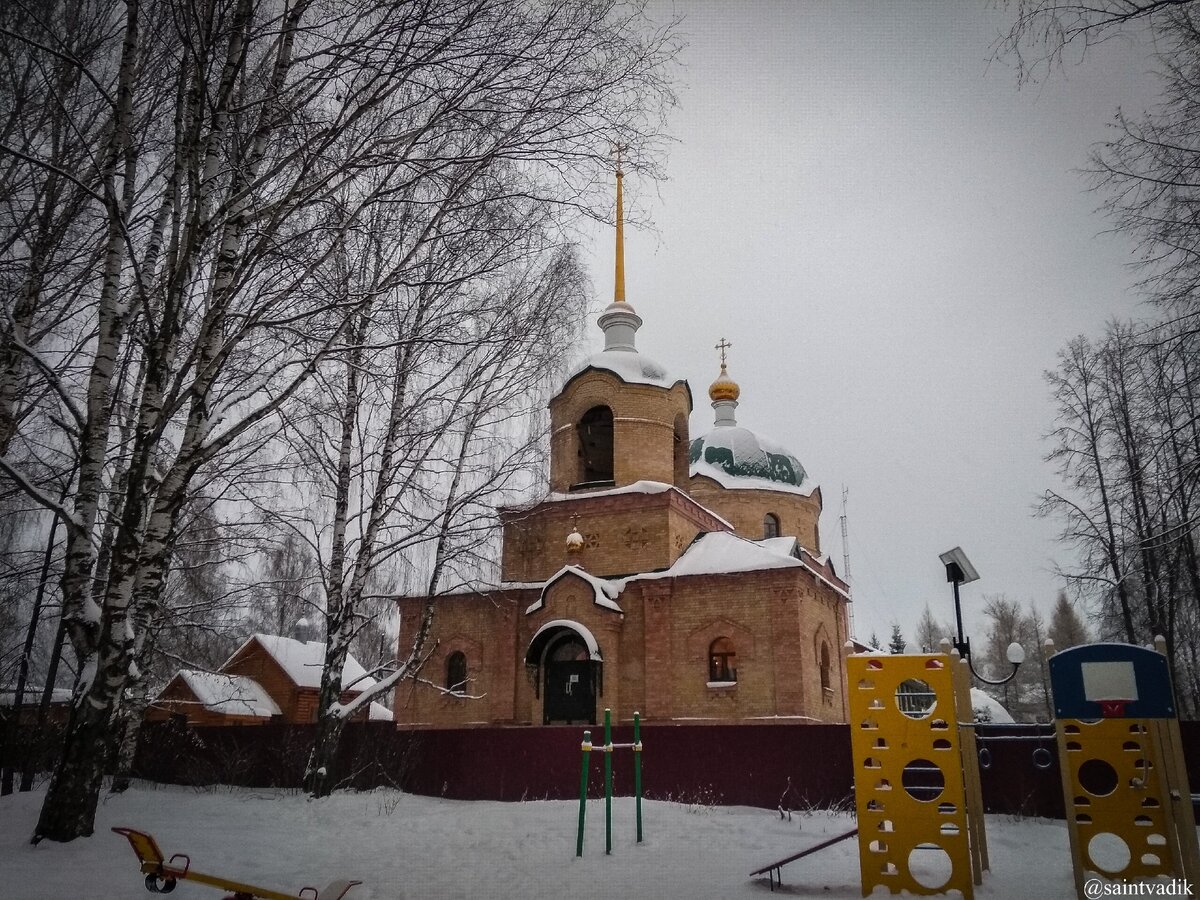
x=163, y=874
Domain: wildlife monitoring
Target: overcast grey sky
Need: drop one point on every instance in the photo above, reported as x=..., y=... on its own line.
x=895, y=241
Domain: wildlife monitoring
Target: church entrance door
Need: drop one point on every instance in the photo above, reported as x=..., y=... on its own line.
x=570, y=689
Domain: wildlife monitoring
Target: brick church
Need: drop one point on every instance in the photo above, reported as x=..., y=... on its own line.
x=680, y=577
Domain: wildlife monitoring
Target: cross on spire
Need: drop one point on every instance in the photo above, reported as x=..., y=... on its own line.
x=617, y=149
x=723, y=345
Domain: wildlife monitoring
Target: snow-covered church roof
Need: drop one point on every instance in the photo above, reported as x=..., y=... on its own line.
x=628, y=365
x=604, y=591
x=736, y=457
x=725, y=553
x=620, y=355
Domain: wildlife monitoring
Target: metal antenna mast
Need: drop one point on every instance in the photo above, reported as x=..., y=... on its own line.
x=846, y=560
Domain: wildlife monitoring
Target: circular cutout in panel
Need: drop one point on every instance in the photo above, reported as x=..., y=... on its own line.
x=1098, y=777
x=1108, y=853
x=930, y=866
x=923, y=780
x=915, y=698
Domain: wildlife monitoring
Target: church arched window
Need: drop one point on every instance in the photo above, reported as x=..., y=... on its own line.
x=722, y=660
x=596, y=445
x=770, y=525
x=825, y=682
x=456, y=672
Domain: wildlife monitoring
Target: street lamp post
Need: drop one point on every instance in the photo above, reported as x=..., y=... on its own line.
x=959, y=571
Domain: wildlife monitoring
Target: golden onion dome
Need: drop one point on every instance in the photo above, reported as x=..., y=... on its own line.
x=724, y=388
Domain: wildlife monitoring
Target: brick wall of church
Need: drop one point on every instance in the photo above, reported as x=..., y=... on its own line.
x=623, y=534
x=483, y=628
x=745, y=508
x=655, y=651
x=775, y=619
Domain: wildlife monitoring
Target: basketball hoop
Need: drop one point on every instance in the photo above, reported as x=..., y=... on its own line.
x=1112, y=709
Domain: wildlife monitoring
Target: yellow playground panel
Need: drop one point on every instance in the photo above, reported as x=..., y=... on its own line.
x=919, y=808
x=1125, y=787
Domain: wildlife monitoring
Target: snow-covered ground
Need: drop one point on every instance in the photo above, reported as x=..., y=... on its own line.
x=404, y=846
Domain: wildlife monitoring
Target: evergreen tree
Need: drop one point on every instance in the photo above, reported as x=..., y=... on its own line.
x=874, y=640
x=1066, y=627
x=896, y=644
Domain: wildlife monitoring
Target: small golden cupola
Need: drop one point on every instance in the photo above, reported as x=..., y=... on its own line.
x=574, y=541
x=724, y=389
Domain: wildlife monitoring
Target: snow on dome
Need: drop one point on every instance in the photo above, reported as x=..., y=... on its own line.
x=303, y=661
x=232, y=695
x=628, y=365
x=736, y=457
x=989, y=709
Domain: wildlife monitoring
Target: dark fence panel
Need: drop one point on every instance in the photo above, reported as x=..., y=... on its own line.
x=795, y=765
x=1018, y=769
x=753, y=765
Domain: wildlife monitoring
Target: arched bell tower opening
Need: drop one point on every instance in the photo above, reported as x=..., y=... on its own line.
x=595, y=430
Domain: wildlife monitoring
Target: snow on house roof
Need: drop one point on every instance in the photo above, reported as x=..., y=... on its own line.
x=997, y=714
x=628, y=365
x=33, y=695
x=604, y=592
x=231, y=695
x=379, y=713
x=303, y=661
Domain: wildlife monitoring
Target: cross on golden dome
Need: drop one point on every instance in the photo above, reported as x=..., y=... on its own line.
x=723, y=345
x=724, y=388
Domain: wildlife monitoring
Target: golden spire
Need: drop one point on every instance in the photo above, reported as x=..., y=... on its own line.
x=619, y=284
x=724, y=388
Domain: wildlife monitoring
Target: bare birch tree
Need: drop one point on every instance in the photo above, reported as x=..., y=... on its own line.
x=238, y=145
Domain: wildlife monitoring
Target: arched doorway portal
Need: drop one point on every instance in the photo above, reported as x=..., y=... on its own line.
x=570, y=676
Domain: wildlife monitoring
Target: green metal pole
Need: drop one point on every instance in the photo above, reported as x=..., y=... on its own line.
x=637, y=769
x=608, y=752
x=583, y=780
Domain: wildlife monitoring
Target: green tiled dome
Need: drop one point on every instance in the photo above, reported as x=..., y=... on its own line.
x=741, y=453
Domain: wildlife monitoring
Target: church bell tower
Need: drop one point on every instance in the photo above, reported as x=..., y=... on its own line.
x=620, y=418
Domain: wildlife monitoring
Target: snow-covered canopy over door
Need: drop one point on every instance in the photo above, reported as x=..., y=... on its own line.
x=543, y=636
